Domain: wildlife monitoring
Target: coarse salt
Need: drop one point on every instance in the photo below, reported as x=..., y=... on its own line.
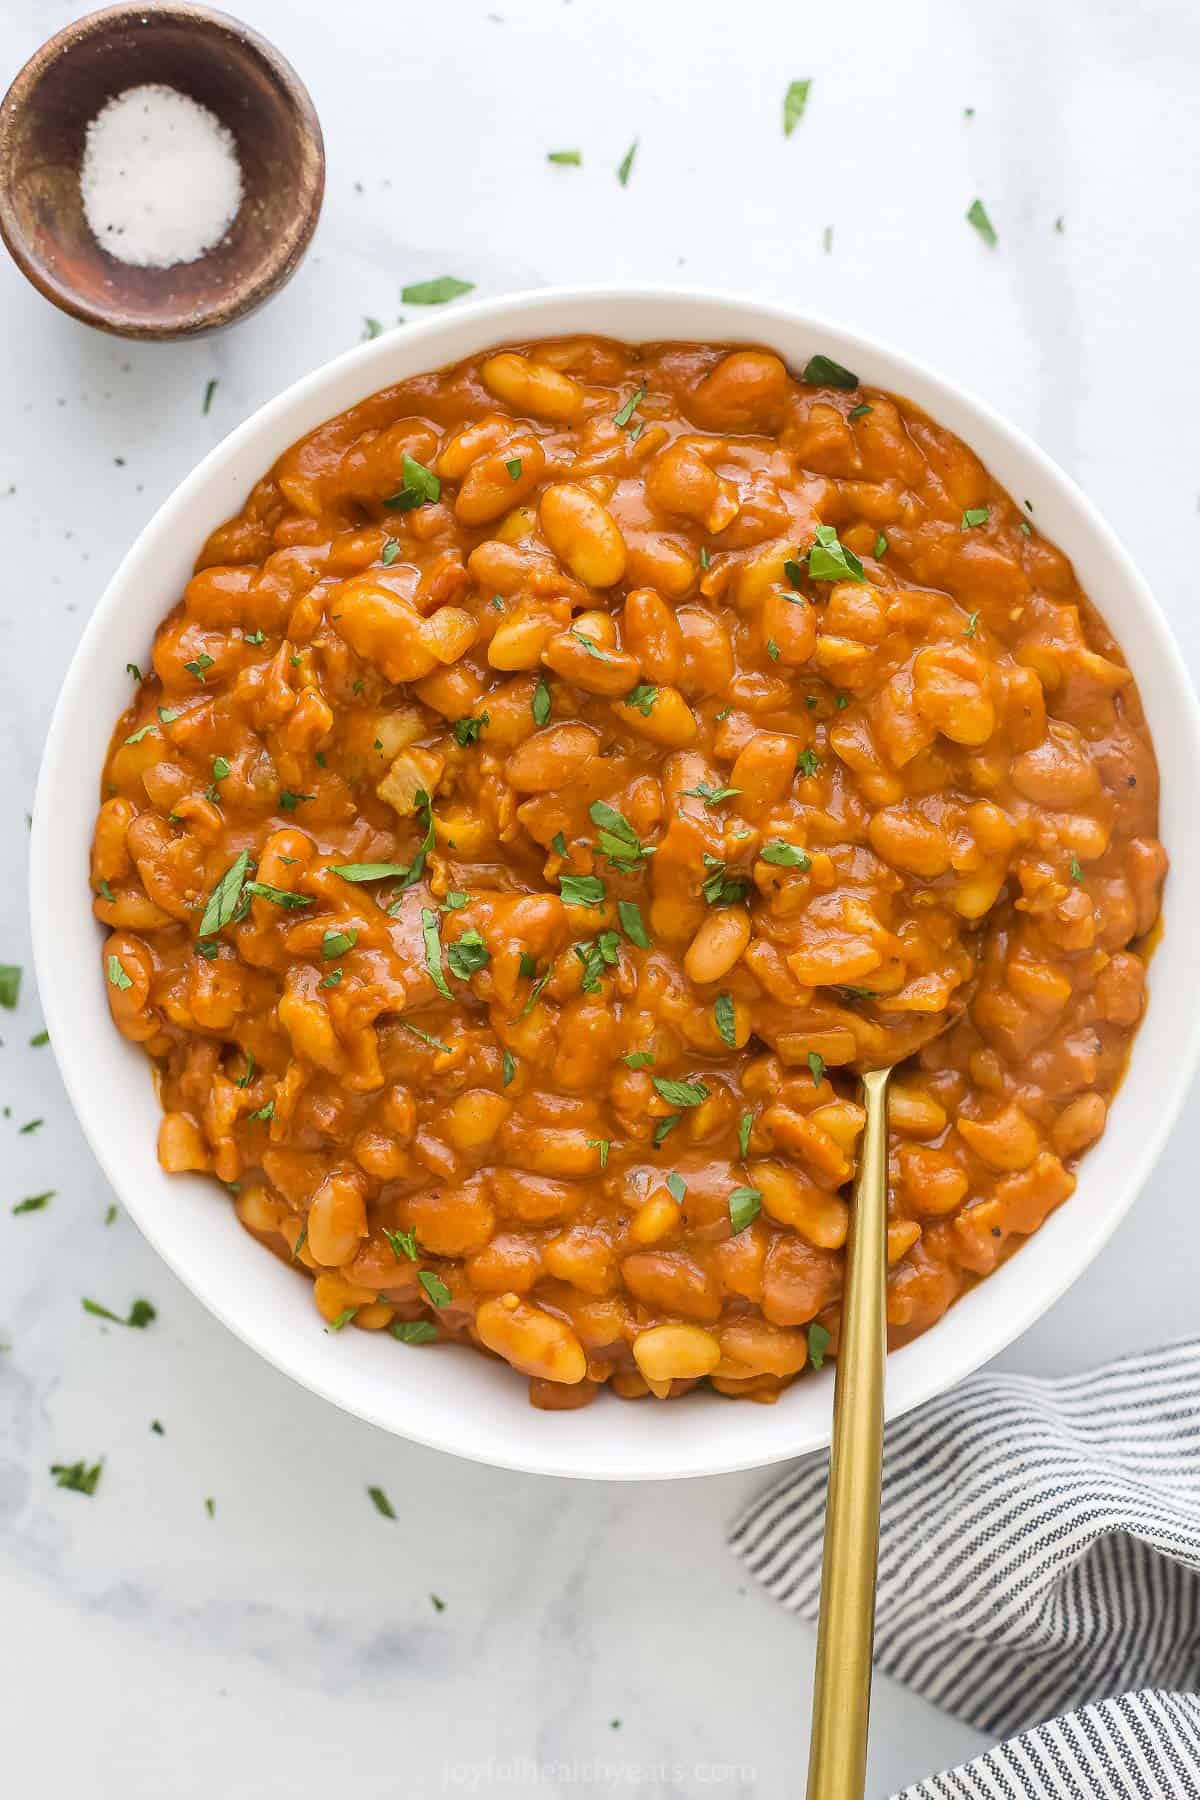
x=161, y=181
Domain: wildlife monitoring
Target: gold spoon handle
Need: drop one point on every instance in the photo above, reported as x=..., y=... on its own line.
x=837, y=1763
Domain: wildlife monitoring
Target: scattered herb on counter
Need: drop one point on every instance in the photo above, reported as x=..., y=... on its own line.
x=77, y=1476
x=381, y=1503
x=209, y=390
x=10, y=985
x=625, y=166
x=141, y=1314
x=978, y=217
x=794, y=102
x=34, y=1202
x=567, y=159
x=436, y=292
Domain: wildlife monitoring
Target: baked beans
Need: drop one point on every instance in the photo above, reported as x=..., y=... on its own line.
x=565, y=770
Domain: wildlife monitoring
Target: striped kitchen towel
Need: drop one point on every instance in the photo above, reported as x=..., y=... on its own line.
x=1039, y=1547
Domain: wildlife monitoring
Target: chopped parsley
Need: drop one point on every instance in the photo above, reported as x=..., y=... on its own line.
x=10, y=983
x=582, y=890
x=432, y=1042
x=132, y=669
x=745, y=1204
x=642, y=698
x=343, y=1318
x=723, y=1017
x=116, y=973
x=466, y=731
x=794, y=102
x=595, y=956
x=818, y=1344
x=879, y=548
x=565, y=158
x=225, y=898
x=436, y=292
x=822, y=371
x=77, y=1476
x=403, y=1245
x=200, y=666
x=284, y=897
x=681, y=1093
x=786, y=856
x=711, y=796
x=435, y=1287
x=467, y=954
x=421, y=486
x=719, y=887
x=1076, y=870
x=625, y=166
x=430, y=931
x=626, y=412
x=413, y=1331
x=513, y=465
x=368, y=871
x=808, y=764
x=381, y=1503
x=540, y=704
x=508, y=1068
x=34, y=1203
x=141, y=1314
x=289, y=801
x=630, y=915
x=638, y=1059
x=209, y=390
x=972, y=625
x=745, y=1126
x=856, y=412
x=974, y=515
x=816, y=1067
x=830, y=560
x=665, y=1127
x=603, y=1145
x=676, y=1187
x=978, y=217
x=618, y=840
x=336, y=943
x=590, y=645
x=390, y=552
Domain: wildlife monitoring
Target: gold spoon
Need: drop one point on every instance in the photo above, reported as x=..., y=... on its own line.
x=837, y=1763
x=837, y=1760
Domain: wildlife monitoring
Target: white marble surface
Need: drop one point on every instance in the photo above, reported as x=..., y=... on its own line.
x=289, y=1643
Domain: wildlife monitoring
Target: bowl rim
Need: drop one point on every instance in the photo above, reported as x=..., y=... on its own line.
x=913, y=1375
x=291, y=243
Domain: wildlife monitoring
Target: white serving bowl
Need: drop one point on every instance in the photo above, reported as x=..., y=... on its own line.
x=451, y=1398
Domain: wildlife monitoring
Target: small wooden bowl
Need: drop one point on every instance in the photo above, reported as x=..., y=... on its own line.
x=225, y=66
